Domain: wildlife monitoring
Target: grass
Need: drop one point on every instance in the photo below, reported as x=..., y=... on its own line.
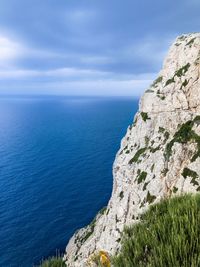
x=53, y=262
x=167, y=235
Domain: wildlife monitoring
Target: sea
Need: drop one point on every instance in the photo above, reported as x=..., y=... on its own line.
x=56, y=157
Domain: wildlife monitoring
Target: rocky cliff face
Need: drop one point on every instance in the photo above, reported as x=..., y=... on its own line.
x=159, y=156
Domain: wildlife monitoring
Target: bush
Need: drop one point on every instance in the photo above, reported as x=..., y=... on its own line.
x=167, y=235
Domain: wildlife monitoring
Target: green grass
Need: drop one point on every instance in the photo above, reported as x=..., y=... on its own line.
x=167, y=235
x=53, y=262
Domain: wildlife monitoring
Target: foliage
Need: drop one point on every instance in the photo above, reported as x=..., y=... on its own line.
x=150, y=198
x=137, y=155
x=100, y=259
x=161, y=130
x=179, y=73
x=185, y=83
x=168, y=235
x=121, y=195
x=103, y=210
x=142, y=176
x=53, y=262
x=160, y=95
x=191, y=41
x=158, y=80
x=182, y=70
x=184, y=135
x=169, y=81
x=153, y=150
x=144, y=116
x=187, y=172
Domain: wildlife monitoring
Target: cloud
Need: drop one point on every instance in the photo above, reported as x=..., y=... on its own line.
x=10, y=50
x=94, y=42
x=93, y=87
x=66, y=80
x=71, y=73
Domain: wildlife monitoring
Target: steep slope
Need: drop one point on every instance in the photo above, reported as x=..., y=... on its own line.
x=159, y=156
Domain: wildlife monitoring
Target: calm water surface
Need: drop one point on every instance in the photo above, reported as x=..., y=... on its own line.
x=55, y=169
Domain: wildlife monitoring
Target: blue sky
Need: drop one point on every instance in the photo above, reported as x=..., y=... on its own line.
x=88, y=47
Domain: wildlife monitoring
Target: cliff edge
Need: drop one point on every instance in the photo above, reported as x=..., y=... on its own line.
x=159, y=156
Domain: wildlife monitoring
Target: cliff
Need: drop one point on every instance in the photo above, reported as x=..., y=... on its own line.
x=159, y=157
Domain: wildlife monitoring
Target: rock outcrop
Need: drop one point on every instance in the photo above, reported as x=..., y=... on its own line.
x=159, y=156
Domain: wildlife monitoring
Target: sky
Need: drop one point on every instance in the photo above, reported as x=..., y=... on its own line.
x=88, y=47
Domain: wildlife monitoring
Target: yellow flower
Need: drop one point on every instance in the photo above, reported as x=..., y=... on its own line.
x=104, y=259
x=101, y=257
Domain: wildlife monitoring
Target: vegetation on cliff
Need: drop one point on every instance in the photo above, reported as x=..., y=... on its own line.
x=56, y=261
x=168, y=234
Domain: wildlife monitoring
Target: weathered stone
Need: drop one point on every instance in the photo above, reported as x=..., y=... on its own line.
x=163, y=156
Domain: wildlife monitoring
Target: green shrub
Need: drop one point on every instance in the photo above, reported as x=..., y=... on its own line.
x=144, y=116
x=182, y=70
x=121, y=195
x=184, y=135
x=187, y=172
x=161, y=130
x=170, y=81
x=137, y=155
x=142, y=176
x=179, y=73
x=185, y=83
x=158, y=80
x=167, y=235
x=150, y=198
x=191, y=41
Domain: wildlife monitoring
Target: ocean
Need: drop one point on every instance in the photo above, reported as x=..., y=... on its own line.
x=55, y=169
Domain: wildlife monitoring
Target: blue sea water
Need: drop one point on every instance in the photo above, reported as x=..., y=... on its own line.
x=56, y=156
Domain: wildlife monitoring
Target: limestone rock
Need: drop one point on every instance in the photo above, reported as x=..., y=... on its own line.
x=159, y=156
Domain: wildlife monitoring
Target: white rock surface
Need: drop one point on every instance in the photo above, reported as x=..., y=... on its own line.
x=158, y=156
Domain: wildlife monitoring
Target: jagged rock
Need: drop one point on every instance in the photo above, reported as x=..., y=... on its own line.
x=159, y=156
